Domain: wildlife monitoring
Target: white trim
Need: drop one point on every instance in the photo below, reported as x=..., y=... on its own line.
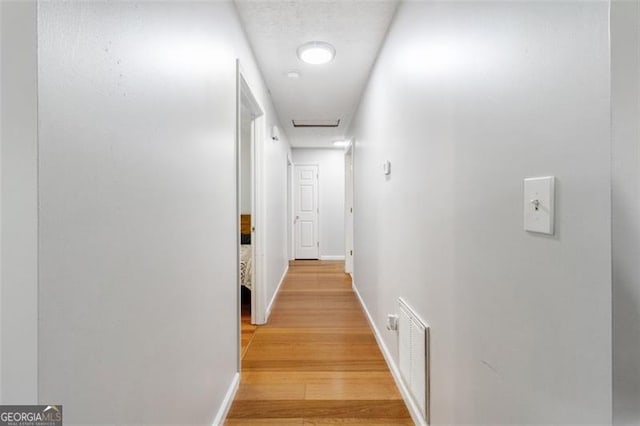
x=237, y=218
x=290, y=214
x=275, y=294
x=414, y=410
x=227, y=401
x=331, y=257
x=258, y=217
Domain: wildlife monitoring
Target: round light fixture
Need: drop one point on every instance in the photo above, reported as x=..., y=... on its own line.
x=316, y=52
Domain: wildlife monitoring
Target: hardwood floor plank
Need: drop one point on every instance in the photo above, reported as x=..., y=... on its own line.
x=351, y=391
x=316, y=365
x=376, y=422
x=247, y=329
x=315, y=336
x=318, y=377
x=374, y=409
x=271, y=391
x=312, y=320
x=267, y=351
x=266, y=329
x=317, y=361
x=257, y=422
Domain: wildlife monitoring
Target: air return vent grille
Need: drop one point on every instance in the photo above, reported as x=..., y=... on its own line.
x=413, y=337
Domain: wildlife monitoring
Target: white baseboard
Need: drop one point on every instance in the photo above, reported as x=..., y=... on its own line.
x=414, y=410
x=227, y=401
x=275, y=294
x=331, y=257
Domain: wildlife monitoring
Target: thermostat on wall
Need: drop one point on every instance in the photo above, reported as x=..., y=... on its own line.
x=387, y=167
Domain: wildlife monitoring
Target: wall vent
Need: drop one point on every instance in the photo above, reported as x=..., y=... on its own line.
x=413, y=349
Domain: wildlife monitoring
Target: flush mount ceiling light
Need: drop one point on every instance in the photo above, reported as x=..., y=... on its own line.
x=316, y=52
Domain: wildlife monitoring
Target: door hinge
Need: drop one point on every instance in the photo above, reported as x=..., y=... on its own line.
x=350, y=252
x=351, y=210
x=318, y=244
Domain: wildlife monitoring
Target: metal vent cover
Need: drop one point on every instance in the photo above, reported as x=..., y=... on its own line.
x=413, y=350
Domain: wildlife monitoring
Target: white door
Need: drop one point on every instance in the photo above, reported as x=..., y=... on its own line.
x=306, y=212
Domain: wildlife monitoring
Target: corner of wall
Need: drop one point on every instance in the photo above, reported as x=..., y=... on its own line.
x=19, y=208
x=275, y=294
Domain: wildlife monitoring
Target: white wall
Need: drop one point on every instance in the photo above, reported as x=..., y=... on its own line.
x=1, y=144
x=625, y=113
x=18, y=192
x=138, y=219
x=275, y=204
x=466, y=100
x=331, y=198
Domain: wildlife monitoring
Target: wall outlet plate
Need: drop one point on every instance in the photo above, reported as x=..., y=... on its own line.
x=539, y=194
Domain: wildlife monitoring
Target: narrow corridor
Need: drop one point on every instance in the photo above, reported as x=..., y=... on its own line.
x=316, y=361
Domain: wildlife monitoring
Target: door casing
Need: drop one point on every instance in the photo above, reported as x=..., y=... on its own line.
x=245, y=96
x=348, y=209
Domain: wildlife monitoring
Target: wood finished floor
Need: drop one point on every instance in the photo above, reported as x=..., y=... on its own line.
x=316, y=362
x=247, y=329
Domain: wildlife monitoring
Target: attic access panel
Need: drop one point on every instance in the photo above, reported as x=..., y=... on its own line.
x=315, y=123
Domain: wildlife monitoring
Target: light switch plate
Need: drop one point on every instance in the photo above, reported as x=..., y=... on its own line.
x=539, y=204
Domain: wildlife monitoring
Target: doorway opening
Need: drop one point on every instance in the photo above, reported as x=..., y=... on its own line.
x=246, y=226
x=249, y=153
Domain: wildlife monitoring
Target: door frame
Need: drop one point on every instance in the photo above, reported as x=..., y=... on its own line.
x=293, y=209
x=348, y=207
x=290, y=212
x=245, y=96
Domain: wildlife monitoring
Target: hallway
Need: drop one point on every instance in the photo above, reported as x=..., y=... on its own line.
x=316, y=361
x=474, y=162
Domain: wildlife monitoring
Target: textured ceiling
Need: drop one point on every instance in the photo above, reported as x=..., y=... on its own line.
x=356, y=28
